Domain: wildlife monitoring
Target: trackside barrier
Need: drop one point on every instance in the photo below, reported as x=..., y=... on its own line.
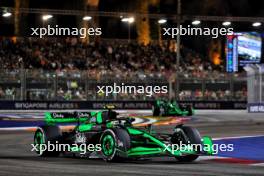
x=255, y=84
x=59, y=105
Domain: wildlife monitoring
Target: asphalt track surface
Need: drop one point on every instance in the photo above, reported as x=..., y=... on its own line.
x=17, y=159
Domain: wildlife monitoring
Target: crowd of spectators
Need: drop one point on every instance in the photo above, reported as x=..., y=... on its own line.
x=103, y=58
x=8, y=93
x=210, y=95
x=107, y=61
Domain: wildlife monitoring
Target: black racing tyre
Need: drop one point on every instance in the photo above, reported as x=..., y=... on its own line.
x=114, y=143
x=193, y=136
x=47, y=133
x=162, y=111
x=155, y=111
x=190, y=110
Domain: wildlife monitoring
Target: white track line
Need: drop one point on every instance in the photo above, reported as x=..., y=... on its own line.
x=237, y=137
x=17, y=128
x=258, y=164
x=72, y=110
x=206, y=158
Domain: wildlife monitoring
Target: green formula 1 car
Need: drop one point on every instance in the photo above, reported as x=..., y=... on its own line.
x=115, y=138
x=171, y=108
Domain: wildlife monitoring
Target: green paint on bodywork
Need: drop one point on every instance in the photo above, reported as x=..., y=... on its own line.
x=161, y=148
x=208, y=145
x=176, y=110
x=50, y=120
x=134, y=131
x=163, y=145
x=75, y=149
x=159, y=143
x=93, y=113
x=137, y=151
x=142, y=142
x=109, y=125
x=99, y=118
x=85, y=127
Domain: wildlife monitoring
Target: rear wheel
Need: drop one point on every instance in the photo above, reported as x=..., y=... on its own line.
x=155, y=110
x=45, y=135
x=190, y=110
x=184, y=135
x=161, y=111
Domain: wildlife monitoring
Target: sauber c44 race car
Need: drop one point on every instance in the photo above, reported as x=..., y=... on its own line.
x=171, y=108
x=117, y=137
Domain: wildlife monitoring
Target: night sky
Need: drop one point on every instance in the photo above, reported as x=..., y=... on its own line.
x=112, y=27
x=192, y=7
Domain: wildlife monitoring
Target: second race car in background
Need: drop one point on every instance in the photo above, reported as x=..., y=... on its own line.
x=171, y=108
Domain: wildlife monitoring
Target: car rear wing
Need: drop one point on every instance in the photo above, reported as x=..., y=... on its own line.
x=67, y=117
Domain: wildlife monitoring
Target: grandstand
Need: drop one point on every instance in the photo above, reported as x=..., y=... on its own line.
x=132, y=48
x=62, y=61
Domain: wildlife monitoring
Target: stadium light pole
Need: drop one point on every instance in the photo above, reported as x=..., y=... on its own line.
x=178, y=47
x=129, y=21
x=22, y=78
x=260, y=82
x=129, y=32
x=160, y=22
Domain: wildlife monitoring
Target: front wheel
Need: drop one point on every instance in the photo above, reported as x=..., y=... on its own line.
x=187, y=135
x=114, y=143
